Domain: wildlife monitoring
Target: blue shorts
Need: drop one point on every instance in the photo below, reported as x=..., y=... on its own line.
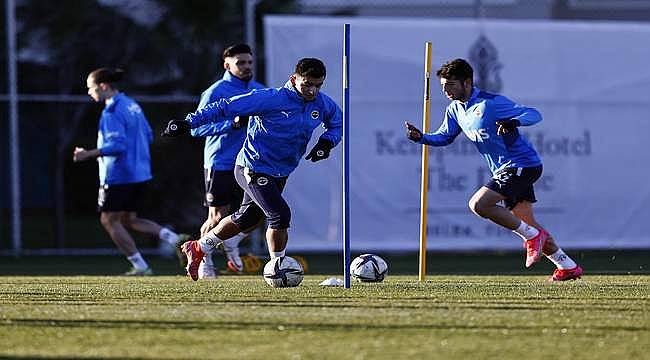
x=221, y=189
x=516, y=184
x=262, y=199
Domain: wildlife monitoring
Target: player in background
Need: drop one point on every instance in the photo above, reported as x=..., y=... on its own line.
x=490, y=121
x=122, y=152
x=282, y=121
x=222, y=144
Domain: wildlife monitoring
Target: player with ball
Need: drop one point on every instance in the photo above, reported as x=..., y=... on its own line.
x=281, y=124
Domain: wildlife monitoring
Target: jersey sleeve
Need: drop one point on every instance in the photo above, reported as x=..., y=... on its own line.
x=505, y=108
x=445, y=134
x=224, y=110
x=333, y=123
x=114, y=134
x=210, y=129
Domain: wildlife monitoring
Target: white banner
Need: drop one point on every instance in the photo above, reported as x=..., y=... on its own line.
x=589, y=81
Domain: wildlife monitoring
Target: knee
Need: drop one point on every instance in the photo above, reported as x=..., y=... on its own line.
x=248, y=219
x=280, y=219
x=108, y=221
x=477, y=206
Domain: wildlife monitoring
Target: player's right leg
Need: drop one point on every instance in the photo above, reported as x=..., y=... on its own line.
x=223, y=194
x=114, y=203
x=509, y=185
x=266, y=192
x=566, y=268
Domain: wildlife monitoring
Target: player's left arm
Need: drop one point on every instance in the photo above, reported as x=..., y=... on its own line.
x=333, y=124
x=511, y=115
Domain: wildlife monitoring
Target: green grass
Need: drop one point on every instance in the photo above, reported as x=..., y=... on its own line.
x=448, y=317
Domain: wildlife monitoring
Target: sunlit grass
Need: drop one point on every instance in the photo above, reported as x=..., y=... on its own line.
x=448, y=317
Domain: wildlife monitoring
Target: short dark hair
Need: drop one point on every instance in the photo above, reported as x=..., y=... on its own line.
x=107, y=75
x=311, y=67
x=457, y=68
x=233, y=50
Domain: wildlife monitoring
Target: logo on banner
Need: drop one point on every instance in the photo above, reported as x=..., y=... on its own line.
x=485, y=59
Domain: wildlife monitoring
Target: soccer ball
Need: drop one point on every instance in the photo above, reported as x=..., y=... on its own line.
x=368, y=268
x=283, y=271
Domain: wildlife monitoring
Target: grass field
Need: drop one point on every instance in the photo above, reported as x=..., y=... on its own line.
x=447, y=317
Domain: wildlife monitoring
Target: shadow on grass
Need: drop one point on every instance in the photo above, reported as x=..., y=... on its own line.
x=243, y=325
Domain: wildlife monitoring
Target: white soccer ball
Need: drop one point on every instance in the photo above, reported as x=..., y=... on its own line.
x=283, y=272
x=368, y=268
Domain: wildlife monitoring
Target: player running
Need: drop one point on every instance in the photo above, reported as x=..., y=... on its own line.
x=282, y=123
x=222, y=144
x=490, y=121
x=122, y=153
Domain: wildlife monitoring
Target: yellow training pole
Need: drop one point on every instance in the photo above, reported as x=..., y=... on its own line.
x=425, y=164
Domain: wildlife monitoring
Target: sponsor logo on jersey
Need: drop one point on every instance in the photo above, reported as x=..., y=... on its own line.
x=134, y=108
x=477, y=135
x=315, y=114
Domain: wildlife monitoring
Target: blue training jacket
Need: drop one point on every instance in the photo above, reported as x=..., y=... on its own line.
x=280, y=127
x=477, y=119
x=123, y=140
x=222, y=142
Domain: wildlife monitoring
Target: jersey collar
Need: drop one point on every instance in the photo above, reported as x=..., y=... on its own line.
x=293, y=92
x=227, y=76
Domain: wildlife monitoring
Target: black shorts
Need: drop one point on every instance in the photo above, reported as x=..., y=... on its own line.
x=221, y=189
x=262, y=198
x=121, y=197
x=516, y=184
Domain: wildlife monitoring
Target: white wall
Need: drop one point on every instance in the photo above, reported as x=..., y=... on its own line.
x=589, y=81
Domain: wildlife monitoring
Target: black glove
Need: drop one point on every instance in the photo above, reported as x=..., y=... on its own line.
x=413, y=133
x=240, y=121
x=176, y=128
x=320, y=151
x=507, y=126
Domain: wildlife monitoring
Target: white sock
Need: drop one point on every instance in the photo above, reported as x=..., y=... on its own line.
x=207, y=260
x=277, y=253
x=209, y=242
x=526, y=231
x=168, y=236
x=561, y=260
x=234, y=241
x=138, y=261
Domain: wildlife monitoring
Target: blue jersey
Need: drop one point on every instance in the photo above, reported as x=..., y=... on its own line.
x=222, y=142
x=123, y=141
x=477, y=119
x=280, y=127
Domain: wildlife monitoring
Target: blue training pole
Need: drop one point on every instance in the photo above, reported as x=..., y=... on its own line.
x=346, y=156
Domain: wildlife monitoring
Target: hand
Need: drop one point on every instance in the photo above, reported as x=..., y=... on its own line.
x=320, y=151
x=240, y=122
x=507, y=126
x=79, y=154
x=412, y=133
x=176, y=128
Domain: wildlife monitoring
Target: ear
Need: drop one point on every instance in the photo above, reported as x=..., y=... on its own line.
x=104, y=86
x=226, y=65
x=292, y=78
x=468, y=83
